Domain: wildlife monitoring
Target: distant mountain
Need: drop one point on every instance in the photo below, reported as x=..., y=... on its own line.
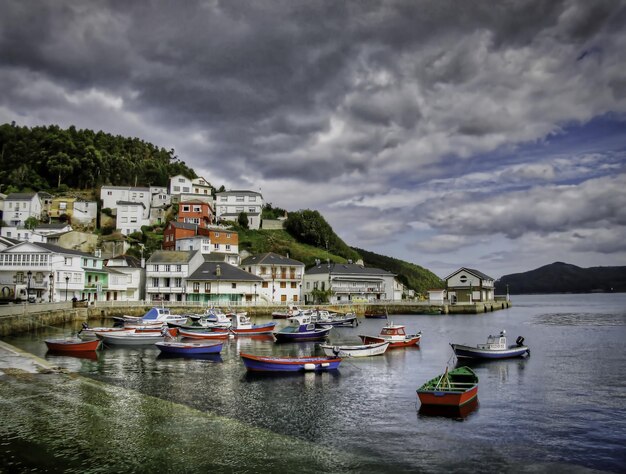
x=562, y=277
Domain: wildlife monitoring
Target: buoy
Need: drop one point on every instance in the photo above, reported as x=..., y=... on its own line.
x=309, y=366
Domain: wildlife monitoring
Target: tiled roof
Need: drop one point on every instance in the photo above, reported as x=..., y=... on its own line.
x=477, y=273
x=20, y=196
x=269, y=258
x=346, y=269
x=170, y=256
x=208, y=272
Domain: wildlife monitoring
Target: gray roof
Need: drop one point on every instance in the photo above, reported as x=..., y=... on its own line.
x=130, y=203
x=8, y=241
x=208, y=272
x=346, y=269
x=183, y=225
x=58, y=249
x=269, y=258
x=20, y=196
x=216, y=256
x=132, y=262
x=130, y=188
x=477, y=273
x=54, y=225
x=248, y=193
x=236, y=214
x=171, y=256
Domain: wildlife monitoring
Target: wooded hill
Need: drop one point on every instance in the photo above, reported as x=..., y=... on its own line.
x=48, y=158
x=561, y=277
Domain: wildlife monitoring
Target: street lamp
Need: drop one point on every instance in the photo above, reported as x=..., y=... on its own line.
x=471, y=296
x=218, y=274
x=51, y=287
x=255, y=294
x=29, y=274
x=67, y=280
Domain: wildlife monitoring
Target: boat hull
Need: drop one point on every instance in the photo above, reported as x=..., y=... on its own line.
x=203, y=335
x=469, y=352
x=254, y=330
x=408, y=341
x=145, y=339
x=289, y=364
x=365, y=350
x=444, y=398
x=316, y=335
x=189, y=348
x=72, y=345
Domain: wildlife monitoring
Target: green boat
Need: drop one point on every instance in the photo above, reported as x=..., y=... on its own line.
x=453, y=388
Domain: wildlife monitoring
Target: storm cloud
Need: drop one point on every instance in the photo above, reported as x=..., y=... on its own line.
x=415, y=127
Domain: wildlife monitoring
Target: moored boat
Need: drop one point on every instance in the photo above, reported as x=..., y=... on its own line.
x=242, y=325
x=291, y=310
x=88, y=333
x=363, y=350
x=495, y=348
x=256, y=363
x=328, y=318
x=72, y=345
x=301, y=328
x=375, y=314
x=189, y=348
x=131, y=339
x=395, y=335
x=453, y=388
x=203, y=334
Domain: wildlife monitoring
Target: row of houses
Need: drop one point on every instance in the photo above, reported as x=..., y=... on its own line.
x=130, y=208
x=39, y=271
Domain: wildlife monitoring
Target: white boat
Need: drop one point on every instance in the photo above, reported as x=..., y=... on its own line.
x=364, y=350
x=154, y=315
x=495, y=348
x=328, y=318
x=86, y=333
x=131, y=339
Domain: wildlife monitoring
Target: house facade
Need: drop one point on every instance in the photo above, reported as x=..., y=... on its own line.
x=220, y=283
x=467, y=285
x=195, y=212
x=167, y=272
x=348, y=282
x=229, y=204
x=18, y=207
x=78, y=211
x=111, y=195
x=281, y=277
x=130, y=217
x=126, y=278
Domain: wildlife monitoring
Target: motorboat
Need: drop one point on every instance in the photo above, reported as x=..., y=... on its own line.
x=495, y=348
x=242, y=325
x=395, y=335
x=301, y=328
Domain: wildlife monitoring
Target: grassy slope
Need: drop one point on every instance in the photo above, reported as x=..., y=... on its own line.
x=279, y=241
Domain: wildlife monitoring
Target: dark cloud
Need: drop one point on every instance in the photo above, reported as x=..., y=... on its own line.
x=344, y=101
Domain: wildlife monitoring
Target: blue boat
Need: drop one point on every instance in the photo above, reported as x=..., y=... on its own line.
x=255, y=363
x=189, y=348
x=495, y=348
x=302, y=328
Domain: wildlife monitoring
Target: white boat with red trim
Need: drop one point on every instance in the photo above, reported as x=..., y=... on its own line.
x=395, y=335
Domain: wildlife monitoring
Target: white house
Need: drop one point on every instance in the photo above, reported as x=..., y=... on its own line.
x=85, y=212
x=126, y=278
x=46, y=272
x=20, y=206
x=281, y=277
x=130, y=217
x=467, y=285
x=160, y=203
x=229, y=204
x=349, y=281
x=111, y=195
x=166, y=272
x=222, y=283
x=22, y=234
x=436, y=296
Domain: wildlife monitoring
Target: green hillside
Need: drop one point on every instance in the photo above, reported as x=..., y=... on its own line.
x=411, y=275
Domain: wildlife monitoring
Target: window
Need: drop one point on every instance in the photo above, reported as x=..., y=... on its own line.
x=223, y=198
x=207, y=287
x=217, y=234
x=251, y=209
x=68, y=260
x=264, y=285
x=176, y=189
x=109, y=193
x=155, y=282
x=252, y=198
x=239, y=209
x=216, y=246
x=294, y=284
x=283, y=284
x=84, y=262
x=62, y=206
x=228, y=247
x=181, y=180
x=124, y=220
x=179, y=268
x=196, y=286
x=233, y=285
x=228, y=235
x=196, y=209
x=133, y=219
x=239, y=198
x=185, y=208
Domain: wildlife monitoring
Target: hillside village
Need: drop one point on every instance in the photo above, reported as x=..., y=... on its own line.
x=43, y=258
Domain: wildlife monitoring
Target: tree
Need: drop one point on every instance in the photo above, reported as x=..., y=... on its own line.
x=242, y=220
x=31, y=223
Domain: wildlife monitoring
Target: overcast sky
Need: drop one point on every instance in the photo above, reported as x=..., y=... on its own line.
x=490, y=134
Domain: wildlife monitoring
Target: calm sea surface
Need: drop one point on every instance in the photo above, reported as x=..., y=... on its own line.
x=131, y=410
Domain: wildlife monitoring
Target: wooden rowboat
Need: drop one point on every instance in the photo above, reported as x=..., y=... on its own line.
x=203, y=334
x=189, y=348
x=363, y=350
x=72, y=345
x=453, y=388
x=395, y=335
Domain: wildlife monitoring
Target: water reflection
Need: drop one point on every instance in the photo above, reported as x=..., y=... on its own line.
x=209, y=357
x=457, y=413
x=53, y=355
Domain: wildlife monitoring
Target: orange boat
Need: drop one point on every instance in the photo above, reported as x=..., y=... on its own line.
x=395, y=335
x=72, y=345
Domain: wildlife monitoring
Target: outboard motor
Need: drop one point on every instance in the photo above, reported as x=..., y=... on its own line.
x=519, y=341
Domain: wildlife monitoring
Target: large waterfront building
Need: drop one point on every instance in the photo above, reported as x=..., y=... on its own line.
x=281, y=277
x=469, y=286
x=220, y=283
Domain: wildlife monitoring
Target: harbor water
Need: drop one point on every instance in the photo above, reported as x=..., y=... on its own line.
x=562, y=409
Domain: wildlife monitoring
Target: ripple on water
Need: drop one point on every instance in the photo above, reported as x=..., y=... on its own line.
x=580, y=319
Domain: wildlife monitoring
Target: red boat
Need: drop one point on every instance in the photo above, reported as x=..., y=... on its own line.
x=72, y=345
x=203, y=334
x=455, y=388
x=395, y=335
